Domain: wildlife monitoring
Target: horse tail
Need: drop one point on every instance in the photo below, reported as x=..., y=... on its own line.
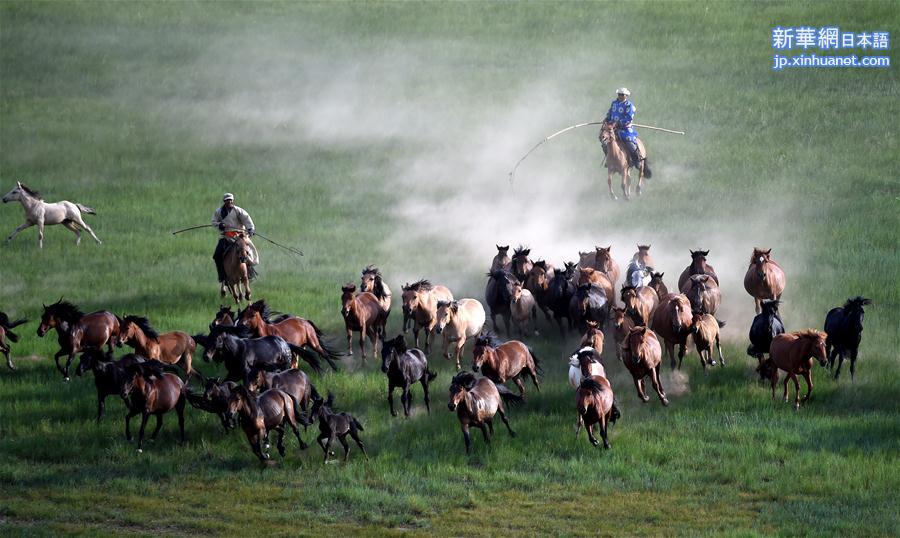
x=537, y=363
x=507, y=395
x=4, y=321
x=13, y=337
x=316, y=329
x=720, y=322
x=86, y=209
x=331, y=353
x=647, y=172
x=356, y=423
x=614, y=413
x=431, y=375
x=307, y=356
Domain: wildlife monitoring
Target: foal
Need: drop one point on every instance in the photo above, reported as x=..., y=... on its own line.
x=705, y=329
x=152, y=393
x=794, y=353
x=336, y=426
x=476, y=401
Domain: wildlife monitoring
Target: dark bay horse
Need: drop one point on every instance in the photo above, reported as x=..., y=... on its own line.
x=766, y=326
x=240, y=353
x=642, y=356
x=336, y=426
x=225, y=316
x=844, y=327
x=362, y=313
x=497, y=295
x=595, y=402
x=559, y=295
x=476, y=401
x=698, y=266
x=259, y=415
x=173, y=347
x=794, y=353
x=77, y=331
x=295, y=330
x=604, y=262
x=501, y=259
x=672, y=322
x=501, y=362
x=215, y=400
x=404, y=367
x=420, y=300
x=703, y=293
x=373, y=282
x=656, y=282
x=294, y=382
x=156, y=394
x=110, y=375
x=520, y=264
x=6, y=333
x=764, y=278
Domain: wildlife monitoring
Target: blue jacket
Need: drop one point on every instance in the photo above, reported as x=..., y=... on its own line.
x=622, y=114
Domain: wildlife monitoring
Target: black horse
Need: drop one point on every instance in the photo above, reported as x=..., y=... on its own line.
x=240, y=354
x=335, y=426
x=559, y=294
x=766, y=326
x=403, y=368
x=214, y=399
x=6, y=327
x=498, y=294
x=844, y=327
x=589, y=303
x=109, y=375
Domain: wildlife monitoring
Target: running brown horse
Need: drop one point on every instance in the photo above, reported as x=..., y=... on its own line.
x=174, y=347
x=295, y=330
x=604, y=262
x=589, y=275
x=698, y=266
x=703, y=292
x=705, y=330
x=639, y=303
x=672, y=322
x=642, y=355
x=258, y=415
x=643, y=256
x=420, y=300
x=617, y=162
x=225, y=316
x=501, y=362
x=593, y=337
x=6, y=336
x=764, y=278
x=520, y=265
x=538, y=283
x=794, y=353
x=596, y=404
x=372, y=281
x=622, y=325
x=501, y=260
x=656, y=282
x=77, y=331
x=476, y=401
x=150, y=393
x=365, y=314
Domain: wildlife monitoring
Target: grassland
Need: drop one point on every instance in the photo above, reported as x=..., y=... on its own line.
x=357, y=132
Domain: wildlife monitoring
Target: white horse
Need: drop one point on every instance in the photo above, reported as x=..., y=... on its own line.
x=38, y=213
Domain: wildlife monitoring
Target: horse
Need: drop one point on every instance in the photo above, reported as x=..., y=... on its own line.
x=520, y=265
x=295, y=330
x=637, y=274
x=77, y=331
x=595, y=402
x=363, y=313
x=585, y=362
x=538, y=283
x=604, y=262
x=40, y=213
x=238, y=273
x=457, y=321
x=6, y=333
x=110, y=376
x=336, y=426
x=151, y=393
x=844, y=327
x=501, y=261
x=764, y=278
x=617, y=162
x=639, y=303
x=642, y=356
x=522, y=308
x=225, y=316
x=703, y=293
x=622, y=325
x=271, y=410
x=698, y=266
x=656, y=282
x=794, y=353
x=498, y=296
x=593, y=337
x=672, y=322
x=476, y=401
x=501, y=362
x=215, y=400
x=404, y=367
x=643, y=257
x=294, y=382
x=766, y=326
x=588, y=275
x=420, y=301
x=174, y=347
x=240, y=353
x=705, y=330
x=589, y=304
x=559, y=294
x=373, y=282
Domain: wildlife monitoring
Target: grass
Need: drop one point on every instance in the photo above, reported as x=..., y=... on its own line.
x=358, y=132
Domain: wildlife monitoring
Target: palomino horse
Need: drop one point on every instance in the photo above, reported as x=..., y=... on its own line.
x=642, y=355
x=643, y=257
x=420, y=301
x=498, y=296
x=335, y=426
x=656, y=282
x=766, y=325
x=404, y=367
x=794, y=353
x=174, y=347
x=236, y=262
x=698, y=266
x=150, y=393
x=559, y=295
x=538, y=283
x=6, y=328
x=672, y=322
x=39, y=213
x=520, y=265
x=295, y=330
x=501, y=362
x=622, y=325
x=703, y=293
x=458, y=321
x=595, y=402
x=476, y=401
x=705, y=330
x=362, y=313
x=844, y=327
x=501, y=260
x=764, y=279
x=523, y=309
x=76, y=331
x=639, y=303
x=617, y=162
x=373, y=282
x=258, y=415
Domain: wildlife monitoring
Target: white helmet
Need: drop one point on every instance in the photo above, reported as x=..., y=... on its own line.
x=623, y=90
x=228, y=196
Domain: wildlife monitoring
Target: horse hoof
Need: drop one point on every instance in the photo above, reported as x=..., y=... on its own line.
x=66, y=379
x=613, y=196
x=645, y=399
x=712, y=363
x=140, y=451
x=665, y=402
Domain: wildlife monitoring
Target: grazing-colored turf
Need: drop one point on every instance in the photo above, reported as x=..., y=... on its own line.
x=383, y=133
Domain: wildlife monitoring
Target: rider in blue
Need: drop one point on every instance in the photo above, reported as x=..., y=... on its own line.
x=621, y=113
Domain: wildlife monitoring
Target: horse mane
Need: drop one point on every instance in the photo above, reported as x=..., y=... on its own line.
x=421, y=285
x=249, y=398
x=399, y=344
x=696, y=254
x=30, y=191
x=488, y=338
x=856, y=302
x=262, y=307
x=540, y=263
x=521, y=250
x=466, y=380
x=235, y=330
x=349, y=287
x=591, y=385
x=371, y=270
x=770, y=303
x=145, y=326
x=643, y=247
x=811, y=333
x=65, y=311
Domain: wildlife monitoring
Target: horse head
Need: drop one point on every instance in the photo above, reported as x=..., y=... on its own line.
x=680, y=314
x=390, y=349
x=817, y=345
x=347, y=297
x=607, y=133
x=854, y=313
x=517, y=291
x=699, y=286
x=698, y=260
x=521, y=265
x=445, y=312
x=603, y=257
x=459, y=387
x=484, y=349
x=412, y=295
x=618, y=317
x=759, y=259
x=370, y=275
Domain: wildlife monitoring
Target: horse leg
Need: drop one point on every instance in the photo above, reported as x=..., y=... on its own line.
x=445, y=345
x=840, y=355
x=604, y=432
x=425, y=390
x=809, y=385
x=786, y=379
x=518, y=381
x=349, y=341
x=459, y=350
x=578, y=424
x=69, y=364
x=625, y=183
x=327, y=447
x=17, y=230
x=408, y=396
x=484, y=433
x=101, y=407
x=346, y=446
x=505, y=420
x=641, y=392
x=670, y=351
x=80, y=221
x=609, y=176
x=280, y=442
x=719, y=348
x=128, y=416
x=40, y=226
x=853, y=355
x=293, y=423
x=796, y=391
x=657, y=385
x=158, y=426
x=71, y=226
x=532, y=372
x=391, y=398
x=9, y=363
x=179, y=411
x=506, y=323
x=144, y=416
x=590, y=431
x=681, y=351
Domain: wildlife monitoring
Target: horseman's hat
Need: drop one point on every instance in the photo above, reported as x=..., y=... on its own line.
x=228, y=196
x=623, y=90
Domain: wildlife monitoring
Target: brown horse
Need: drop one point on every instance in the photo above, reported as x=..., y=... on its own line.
x=6, y=327
x=294, y=382
x=672, y=322
x=643, y=257
x=593, y=337
x=298, y=331
x=501, y=260
x=622, y=325
x=420, y=301
x=476, y=401
x=617, y=161
x=642, y=355
x=698, y=266
x=225, y=316
x=538, y=283
x=604, y=262
x=794, y=353
x=764, y=278
x=596, y=404
x=703, y=292
x=372, y=281
x=705, y=330
x=656, y=282
x=639, y=303
x=589, y=275
x=520, y=265
x=362, y=313
x=76, y=331
x=149, y=393
x=258, y=415
x=236, y=262
x=501, y=362
x=174, y=347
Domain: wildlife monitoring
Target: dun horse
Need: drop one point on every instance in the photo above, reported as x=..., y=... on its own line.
x=642, y=355
x=373, y=282
x=457, y=321
x=6, y=333
x=698, y=266
x=501, y=362
x=764, y=279
x=794, y=353
x=844, y=327
x=476, y=401
x=672, y=322
x=404, y=367
x=420, y=301
x=295, y=330
x=40, y=213
x=174, y=347
x=76, y=331
x=595, y=402
x=617, y=162
x=705, y=330
x=523, y=309
x=365, y=314
x=150, y=393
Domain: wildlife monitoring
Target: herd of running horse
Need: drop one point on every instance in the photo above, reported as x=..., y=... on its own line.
x=264, y=389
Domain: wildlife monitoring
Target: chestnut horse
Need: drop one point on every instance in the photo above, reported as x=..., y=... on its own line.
x=764, y=279
x=705, y=330
x=593, y=337
x=698, y=266
x=295, y=330
x=148, y=394
x=622, y=325
x=538, y=283
x=420, y=301
x=794, y=353
x=476, y=401
x=596, y=404
x=225, y=316
x=6, y=328
x=501, y=362
x=672, y=322
x=703, y=293
x=603, y=262
x=236, y=262
x=458, y=321
x=372, y=281
x=617, y=161
x=639, y=303
x=77, y=331
x=643, y=257
x=365, y=314
x=642, y=355
x=174, y=347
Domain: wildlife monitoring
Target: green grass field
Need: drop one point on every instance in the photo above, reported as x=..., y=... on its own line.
x=383, y=133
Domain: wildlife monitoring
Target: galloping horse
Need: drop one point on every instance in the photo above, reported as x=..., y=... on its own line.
x=589, y=304
x=270, y=411
x=501, y=362
x=560, y=293
x=236, y=262
x=6, y=328
x=642, y=355
x=698, y=266
x=604, y=262
x=457, y=321
x=639, y=303
x=765, y=278
x=152, y=394
x=420, y=301
x=174, y=347
x=672, y=322
x=844, y=327
x=622, y=325
x=501, y=260
x=335, y=426
x=656, y=282
x=295, y=330
x=498, y=295
x=703, y=293
x=617, y=162
x=362, y=313
x=766, y=326
x=476, y=401
x=76, y=331
x=643, y=257
x=584, y=363
x=404, y=367
x=595, y=402
x=372, y=281
x=538, y=283
x=705, y=329
x=521, y=265
x=589, y=275
x=523, y=309
x=39, y=213
x=794, y=353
